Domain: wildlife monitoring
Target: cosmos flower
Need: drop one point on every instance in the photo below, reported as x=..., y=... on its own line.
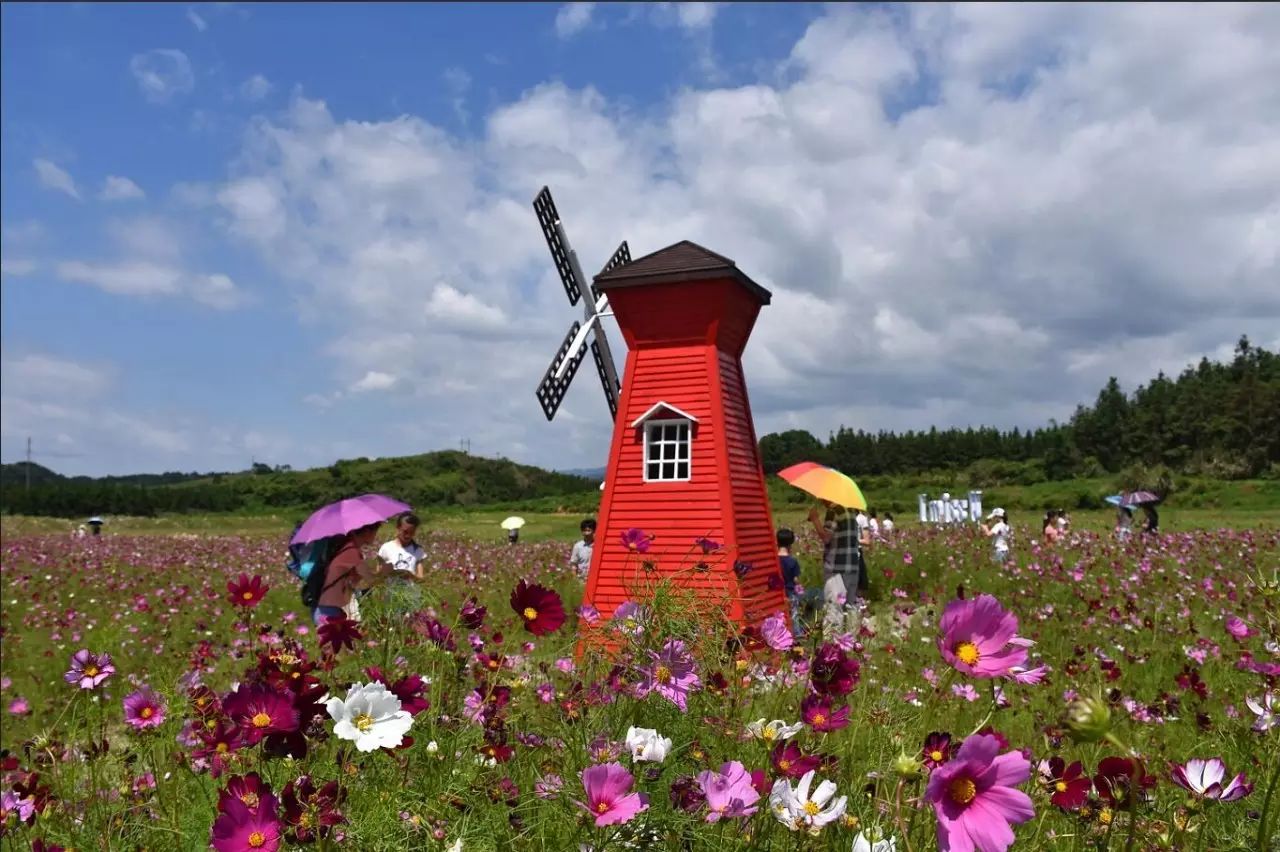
x=775, y=730
x=816, y=712
x=790, y=761
x=19, y=706
x=240, y=828
x=871, y=840
x=800, y=811
x=1266, y=710
x=938, y=749
x=671, y=673
x=311, y=812
x=89, y=670
x=539, y=607
x=1238, y=627
x=609, y=797
x=245, y=591
x=979, y=638
x=707, y=545
x=472, y=614
x=630, y=618
x=1121, y=780
x=370, y=716
x=974, y=798
x=249, y=790
x=833, y=673
x=728, y=792
x=144, y=709
x=1204, y=779
x=636, y=540
x=1068, y=785
x=645, y=744
x=338, y=633
x=776, y=633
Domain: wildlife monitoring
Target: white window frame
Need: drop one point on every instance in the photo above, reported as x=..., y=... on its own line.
x=649, y=427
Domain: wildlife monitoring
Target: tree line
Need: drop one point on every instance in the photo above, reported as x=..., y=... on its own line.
x=1219, y=420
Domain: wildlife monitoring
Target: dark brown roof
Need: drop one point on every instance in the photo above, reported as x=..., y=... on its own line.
x=684, y=261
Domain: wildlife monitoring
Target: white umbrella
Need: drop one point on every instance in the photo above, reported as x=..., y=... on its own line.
x=513, y=523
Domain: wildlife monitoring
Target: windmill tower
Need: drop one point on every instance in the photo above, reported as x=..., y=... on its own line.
x=683, y=462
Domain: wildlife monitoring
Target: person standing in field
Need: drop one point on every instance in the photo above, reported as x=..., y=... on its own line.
x=403, y=559
x=999, y=534
x=841, y=565
x=874, y=524
x=886, y=526
x=791, y=579
x=580, y=556
x=1124, y=523
x=1051, y=532
x=344, y=574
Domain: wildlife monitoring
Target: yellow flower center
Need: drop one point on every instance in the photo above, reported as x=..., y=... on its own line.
x=935, y=756
x=1060, y=786
x=147, y=713
x=260, y=720
x=811, y=808
x=257, y=839
x=247, y=596
x=530, y=614
x=662, y=674
x=601, y=807
x=967, y=653
x=363, y=722
x=819, y=719
x=1104, y=816
x=962, y=791
x=221, y=748
x=769, y=733
x=250, y=798
x=784, y=765
x=91, y=671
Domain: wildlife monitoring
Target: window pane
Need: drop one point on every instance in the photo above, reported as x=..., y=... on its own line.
x=684, y=452
x=653, y=471
x=654, y=452
x=668, y=471
x=684, y=431
x=669, y=451
x=682, y=470
x=669, y=433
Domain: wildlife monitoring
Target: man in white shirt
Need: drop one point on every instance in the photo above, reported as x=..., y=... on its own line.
x=580, y=557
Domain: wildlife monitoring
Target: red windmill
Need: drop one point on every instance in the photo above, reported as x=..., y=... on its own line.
x=683, y=463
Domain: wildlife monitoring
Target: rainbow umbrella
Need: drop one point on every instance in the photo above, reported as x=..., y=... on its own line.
x=825, y=483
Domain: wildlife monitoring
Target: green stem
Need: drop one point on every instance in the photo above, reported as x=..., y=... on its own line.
x=1264, y=820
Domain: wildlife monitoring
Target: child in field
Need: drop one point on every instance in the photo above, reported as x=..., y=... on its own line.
x=999, y=533
x=791, y=579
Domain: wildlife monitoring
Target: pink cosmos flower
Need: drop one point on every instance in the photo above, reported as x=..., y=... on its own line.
x=1267, y=710
x=776, y=633
x=670, y=673
x=729, y=792
x=637, y=540
x=1238, y=628
x=979, y=638
x=19, y=706
x=609, y=796
x=89, y=670
x=143, y=709
x=816, y=712
x=240, y=828
x=1204, y=779
x=974, y=798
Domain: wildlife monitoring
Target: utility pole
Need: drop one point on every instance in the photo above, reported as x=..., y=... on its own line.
x=465, y=445
x=28, y=464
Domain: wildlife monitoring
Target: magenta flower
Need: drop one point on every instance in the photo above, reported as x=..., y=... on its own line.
x=636, y=540
x=144, y=709
x=729, y=792
x=1238, y=628
x=609, y=796
x=19, y=706
x=1204, y=779
x=240, y=827
x=974, y=798
x=980, y=638
x=816, y=712
x=708, y=545
x=89, y=670
x=833, y=672
x=670, y=673
x=776, y=633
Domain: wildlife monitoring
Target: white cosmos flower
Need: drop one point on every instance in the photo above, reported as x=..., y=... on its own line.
x=872, y=840
x=370, y=716
x=1267, y=711
x=775, y=730
x=646, y=744
x=798, y=811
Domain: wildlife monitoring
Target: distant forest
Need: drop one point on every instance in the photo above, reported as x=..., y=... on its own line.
x=1214, y=420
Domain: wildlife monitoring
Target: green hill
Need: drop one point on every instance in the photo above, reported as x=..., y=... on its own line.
x=447, y=478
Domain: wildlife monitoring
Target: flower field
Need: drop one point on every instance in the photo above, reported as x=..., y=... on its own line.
x=168, y=692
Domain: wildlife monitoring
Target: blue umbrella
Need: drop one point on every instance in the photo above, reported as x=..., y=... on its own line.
x=1115, y=499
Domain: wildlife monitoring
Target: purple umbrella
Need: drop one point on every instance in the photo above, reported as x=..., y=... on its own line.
x=346, y=515
x=1139, y=498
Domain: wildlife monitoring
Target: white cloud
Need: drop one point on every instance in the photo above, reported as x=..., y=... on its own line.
x=374, y=381
x=53, y=176
x=196, y=21
x=38, y=375
x=16, y=267
x=136, y=278
x=696, y=16
x=956, y=209
x=573, y=18
x=255, y=88
x=162, y=74
x=116, y=188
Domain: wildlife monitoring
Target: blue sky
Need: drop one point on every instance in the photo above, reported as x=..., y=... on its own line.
x=296, y=233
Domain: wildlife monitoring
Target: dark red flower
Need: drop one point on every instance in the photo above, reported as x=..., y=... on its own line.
x=472, y=615
x=1068, y=785
x=217, y=743
x=760, y=781
x=816, y=712
x=38, y=845
x=833, y=673
x=259, y=710
x=245, y=591
x=309, y=812
x=433, y=631
x=247, y=789
x=409, y=689
x=337, y=633
x=938, y=749
x=539, y=607
x=790, y=762
x=686, y=794
x=1122, y=780
x=741, y=568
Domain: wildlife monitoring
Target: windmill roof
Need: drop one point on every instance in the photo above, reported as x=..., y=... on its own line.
x=684, y=261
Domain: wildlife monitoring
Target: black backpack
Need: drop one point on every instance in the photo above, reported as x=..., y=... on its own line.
x=313, y=583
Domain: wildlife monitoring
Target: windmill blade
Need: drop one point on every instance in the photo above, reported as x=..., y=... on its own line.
x=608, y=375
x=620, y=257
x=549, y=219
x=551, y=390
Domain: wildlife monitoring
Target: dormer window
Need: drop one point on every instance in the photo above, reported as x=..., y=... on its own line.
x=668, y=443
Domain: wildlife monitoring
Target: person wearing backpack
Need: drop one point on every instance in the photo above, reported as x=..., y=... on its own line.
x=343, y=574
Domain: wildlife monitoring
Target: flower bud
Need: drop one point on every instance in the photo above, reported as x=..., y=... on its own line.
x=1088, y=719
x=907, y=767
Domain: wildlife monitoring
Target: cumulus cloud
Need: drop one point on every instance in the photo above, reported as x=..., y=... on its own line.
x=255, y=88
x=573, y=18
x=116, y=188
x=52, y=176
x=374, y=381
x=16, y=267
x=162, y=74
x=966, y=215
